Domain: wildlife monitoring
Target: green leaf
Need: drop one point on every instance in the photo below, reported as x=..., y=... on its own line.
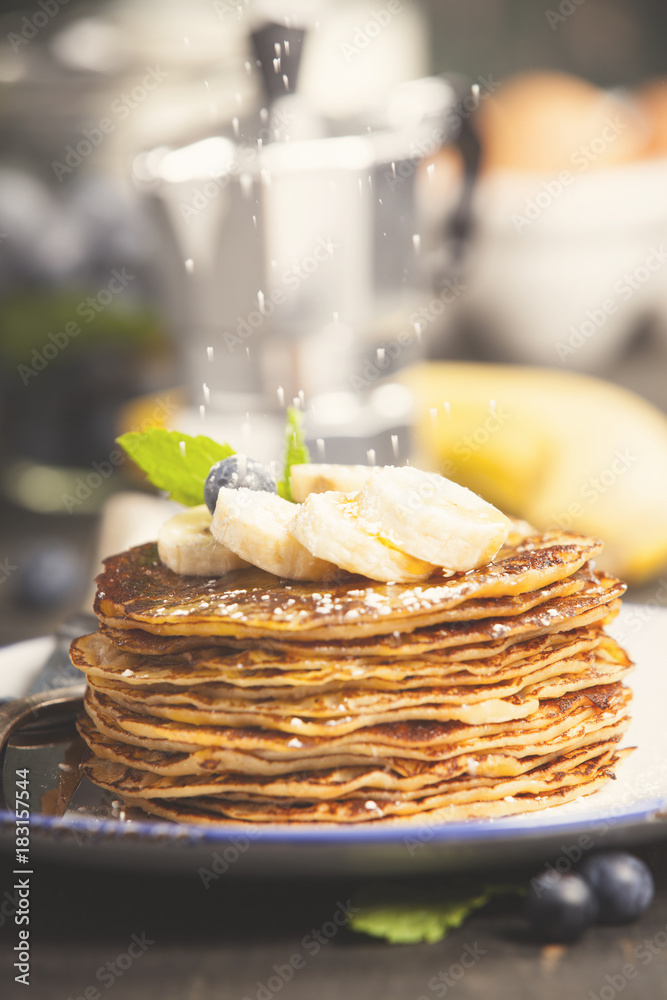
x=409, y=923
x=425, y=916
x=296, y=452
x=175, y=462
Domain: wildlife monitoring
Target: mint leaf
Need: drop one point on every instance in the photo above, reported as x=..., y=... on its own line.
x=409, y=923
x=296, y=452
x=175, y=462
x=402, y=918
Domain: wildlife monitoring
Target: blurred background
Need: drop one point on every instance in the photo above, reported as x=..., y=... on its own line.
x=440, y=227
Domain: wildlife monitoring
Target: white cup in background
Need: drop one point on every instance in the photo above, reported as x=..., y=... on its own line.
x=563, y=268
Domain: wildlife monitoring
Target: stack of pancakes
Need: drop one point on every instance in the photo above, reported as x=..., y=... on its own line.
x=250, y=698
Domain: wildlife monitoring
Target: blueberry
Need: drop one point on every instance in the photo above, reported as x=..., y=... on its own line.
x=236, y=471
x=49, y=574
x=559, y=907
x=622, y=883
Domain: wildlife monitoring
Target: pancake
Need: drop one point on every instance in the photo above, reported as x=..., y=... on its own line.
x=248, y=772
x=205, y=706
x=418, y=738
x=259, y=674
x=597, y=601
x=584, y=780
x=137, y=590
x=350, y=708
x=337, y=784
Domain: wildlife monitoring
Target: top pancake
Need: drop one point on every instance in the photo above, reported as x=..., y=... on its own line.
x=137, y=591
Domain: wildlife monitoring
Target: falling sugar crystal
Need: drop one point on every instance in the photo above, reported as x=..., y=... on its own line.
x=430, y=171
x=276, y=48
x=264, y=114
x=281, y=395
x=319, y=444
x=189, y=265
x=416, y=242
x=492, y=407
x=446, y=408
x=260, y=300
x=207, y=393
x=181, y=448
x=285, y=81
x=202, y=411
x=434, y=414
x=394, y=445
x=276, y=65
x=370, y=456
x=235, y=126
x=209, y=353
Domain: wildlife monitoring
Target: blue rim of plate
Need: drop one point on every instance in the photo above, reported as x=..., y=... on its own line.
x=652, y=812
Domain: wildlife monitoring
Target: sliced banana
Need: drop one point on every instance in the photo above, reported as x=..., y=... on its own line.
x=255, y=524
x=432, y=518
x=312, y=478
x=185, y=544
x=329, y=526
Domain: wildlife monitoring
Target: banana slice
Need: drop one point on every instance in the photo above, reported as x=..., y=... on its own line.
x=329, y=526
x=312, y=478
x=432, y=518
x=185, y=544
x=255, y=524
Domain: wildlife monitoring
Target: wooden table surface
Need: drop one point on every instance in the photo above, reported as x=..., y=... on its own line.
x=154, y=937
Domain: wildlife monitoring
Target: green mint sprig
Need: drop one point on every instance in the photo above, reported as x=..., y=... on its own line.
x=408, y=916
x=296, y=452
x=179, y=464
x=174, y=462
